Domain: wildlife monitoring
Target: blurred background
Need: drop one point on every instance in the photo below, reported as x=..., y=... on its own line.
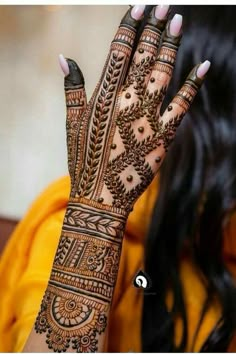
x=32, y=109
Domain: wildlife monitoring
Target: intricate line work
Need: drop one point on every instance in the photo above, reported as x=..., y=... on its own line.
x=167, y=55
x=69, y=320
x=75, y=97
x=168, y=130
x=150, y=105
x=135, y=150
x=100, y=115
x=137, y=74
x=73, y=311
x=164, y=68
x=149, y=40
x=125, y=35
x=103, y=224
x=115, y=146
x=185, y=96
x=76, y=104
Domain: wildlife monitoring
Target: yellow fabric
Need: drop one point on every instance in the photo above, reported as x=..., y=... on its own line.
x=25, y=268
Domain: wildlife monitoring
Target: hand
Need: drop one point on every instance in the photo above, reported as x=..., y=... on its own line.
x=117, y=142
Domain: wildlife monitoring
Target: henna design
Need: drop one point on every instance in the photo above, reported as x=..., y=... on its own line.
x=149, y=40
x=185, y=96
x=138, y=72
x=73, y=311
x=69, y=320
x=167, y=131
x=100, y=117
x=115, y=146
x=106, y=224
x=75, y=102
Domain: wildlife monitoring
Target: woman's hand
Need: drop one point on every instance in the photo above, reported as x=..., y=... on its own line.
x=117, y=142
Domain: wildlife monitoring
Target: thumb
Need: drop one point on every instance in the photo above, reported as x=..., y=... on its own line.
x=73, y=84
x=73, y=74
x=76, y=104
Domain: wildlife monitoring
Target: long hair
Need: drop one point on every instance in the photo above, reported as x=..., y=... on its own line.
x=197, y=190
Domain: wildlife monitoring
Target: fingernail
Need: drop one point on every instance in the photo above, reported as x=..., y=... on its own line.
x=64, y=64
x=176, y=24
x=137, y=11
x=161, y=11
x=203, y=69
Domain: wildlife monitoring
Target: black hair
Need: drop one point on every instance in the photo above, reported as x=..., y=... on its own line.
x=197, y=189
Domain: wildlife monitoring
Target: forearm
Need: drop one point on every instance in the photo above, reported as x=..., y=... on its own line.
x=75, y=308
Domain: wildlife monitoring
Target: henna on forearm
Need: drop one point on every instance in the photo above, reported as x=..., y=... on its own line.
x=75, y=306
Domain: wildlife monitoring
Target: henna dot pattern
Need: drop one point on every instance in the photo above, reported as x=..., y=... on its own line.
x=129, y=178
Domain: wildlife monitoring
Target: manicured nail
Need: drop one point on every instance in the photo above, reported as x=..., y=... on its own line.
x=161, y=11
x=176, y=24
x=203, y=69
x=137, y=11
x=64, y=65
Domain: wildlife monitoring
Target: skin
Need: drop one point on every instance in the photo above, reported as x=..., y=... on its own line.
x=116, y=144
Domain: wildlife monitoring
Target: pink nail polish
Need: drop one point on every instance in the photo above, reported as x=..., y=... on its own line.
x=176, y=24
x=203, y=69
x=137, y=11
x=64, y=65
x=161, y=11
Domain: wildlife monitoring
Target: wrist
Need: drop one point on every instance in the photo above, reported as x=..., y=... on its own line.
x=91, y=217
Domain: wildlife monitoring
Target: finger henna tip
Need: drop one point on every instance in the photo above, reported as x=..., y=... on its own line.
x=75, y=76
x=203, y=69
x=64, y=64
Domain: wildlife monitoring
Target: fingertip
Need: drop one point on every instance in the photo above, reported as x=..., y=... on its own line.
x=161, y=11
x=203, y=69
x=137, y=12
x=64, y=65
x=176, y=25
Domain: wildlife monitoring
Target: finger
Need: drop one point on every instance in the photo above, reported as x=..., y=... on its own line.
x=76, y=103
x=118, y=58
x=176, y=110
x=74, y=87
x=163, y=68
x=146, y=52
x=150, y=38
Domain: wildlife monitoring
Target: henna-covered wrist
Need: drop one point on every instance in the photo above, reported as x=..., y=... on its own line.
x=75, y=306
